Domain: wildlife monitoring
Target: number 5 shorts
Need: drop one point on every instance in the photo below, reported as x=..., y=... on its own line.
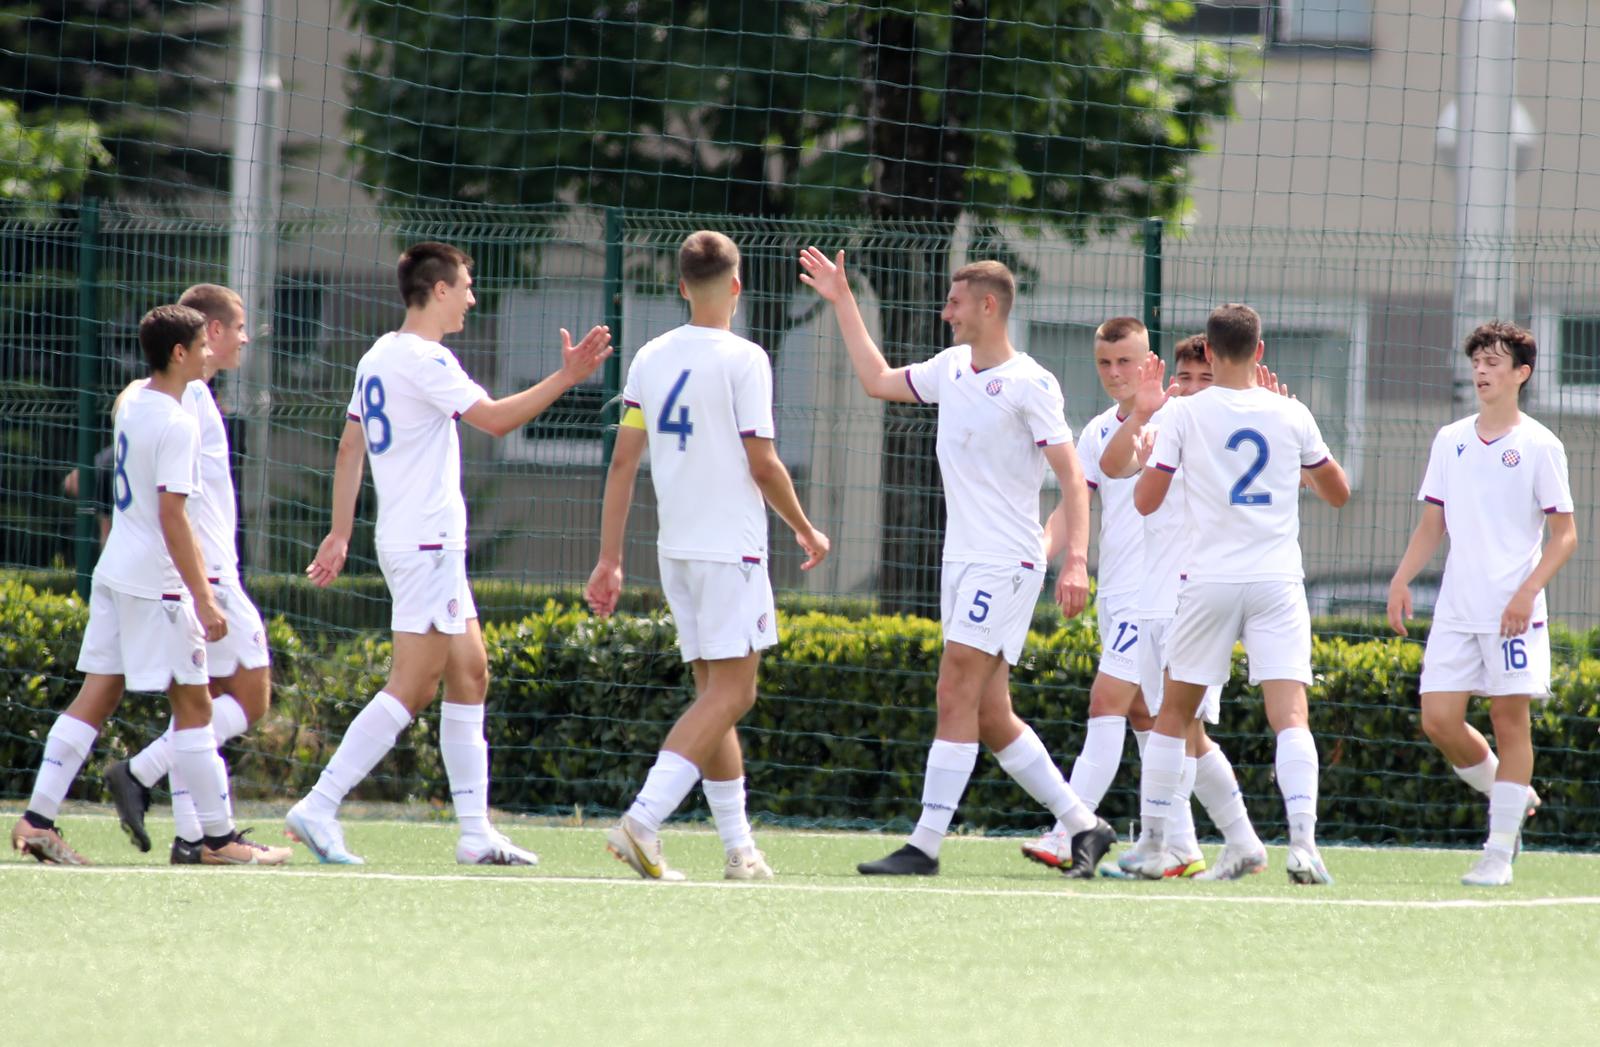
x=1487, y=663
x=150, y=643
x=989, y=606
x=428, y=589
x=722, y=610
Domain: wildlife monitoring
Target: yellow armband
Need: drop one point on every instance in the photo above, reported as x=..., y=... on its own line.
x=632, y=418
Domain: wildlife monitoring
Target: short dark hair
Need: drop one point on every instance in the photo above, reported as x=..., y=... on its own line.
x=1233, y=331
x=165, y=327
x=423, y=265
x=213, y=301
x=1518, y=342
x=993, y=278
x=1119, y=327
x=707, y=255
x=1190, y=350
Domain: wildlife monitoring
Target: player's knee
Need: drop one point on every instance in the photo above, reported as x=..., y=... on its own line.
x=1109, y=697
x=1438, y=723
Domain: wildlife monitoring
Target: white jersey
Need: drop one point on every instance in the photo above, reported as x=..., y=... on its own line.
x=1243, y=450
x=1166, y=544
x=214, y=513
x=157, y=448
x=702, y=390
x=1495, y=496
x=409, y=393
x=1121, y=566
x=992, y=426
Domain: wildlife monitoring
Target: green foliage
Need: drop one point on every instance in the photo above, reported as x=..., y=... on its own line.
x=44, y=164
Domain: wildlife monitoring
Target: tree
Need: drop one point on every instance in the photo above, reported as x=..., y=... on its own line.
x=42, y=166
x=1078, y=113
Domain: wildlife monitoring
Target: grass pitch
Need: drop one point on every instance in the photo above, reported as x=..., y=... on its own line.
x=412, y=948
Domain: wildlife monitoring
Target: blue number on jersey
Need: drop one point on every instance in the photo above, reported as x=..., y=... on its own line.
x=1515, y=654
x=373, y=399
x=1240, y=495
x=121, y=489
x=680, y=426
x=1128, y=629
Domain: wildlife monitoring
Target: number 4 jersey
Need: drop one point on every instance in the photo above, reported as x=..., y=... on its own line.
x=1241, y=451
x=409, y=393
x=700, y=391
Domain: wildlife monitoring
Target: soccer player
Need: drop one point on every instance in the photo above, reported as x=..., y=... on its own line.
x=1243, y=449
x=151, y=610
x=700, y=397
x=241, y=679
x=1000, y=424
x=1121, y=345
x=1493, y=481
x=409, y=392
x=1207, y=773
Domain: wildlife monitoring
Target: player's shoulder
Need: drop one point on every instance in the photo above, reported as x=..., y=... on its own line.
x=1536, y=432
x=1456, y=432
x=1099, y=428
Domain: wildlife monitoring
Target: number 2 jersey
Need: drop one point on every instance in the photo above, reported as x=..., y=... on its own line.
x=1241, y=451
x=409, y=393
x=701, y=391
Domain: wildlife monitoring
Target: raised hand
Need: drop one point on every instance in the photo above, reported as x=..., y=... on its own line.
x=1268, y=380
x=1144, y=446
x=1153, y=390
x=328, y=562
x=826, y=278
x=582, y=360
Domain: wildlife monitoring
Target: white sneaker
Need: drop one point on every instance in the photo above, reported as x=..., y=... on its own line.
x=644, y=858
x=1130, y=859
x=493, y=850
x=322, y=836
x=1235, y=863
x=1305, y=866
x=747, y=865
x=1493, y=870
x=1053, y=849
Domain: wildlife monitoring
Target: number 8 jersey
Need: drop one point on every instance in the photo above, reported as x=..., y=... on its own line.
x=701, y=390
x=409, y=393
x=1241, y=451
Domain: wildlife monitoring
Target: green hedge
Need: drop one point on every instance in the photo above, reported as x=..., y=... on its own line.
x=579, y=705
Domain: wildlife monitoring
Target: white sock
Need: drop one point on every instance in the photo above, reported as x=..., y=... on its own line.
x=65, y=748
x=186, y=820
x=1508, y=803
x=1297, y=765
x=367, y=740
x=1028, y=762
x=154, y=761
x=668, y=782
x=949, y=768
x=1180, y=834
x=466, y=764
x=1141, y=739
x=1217, y=788
x=194, y=755
x=1480, y=775
x=1096, y=765
x=726, y=800
x=1159, y=777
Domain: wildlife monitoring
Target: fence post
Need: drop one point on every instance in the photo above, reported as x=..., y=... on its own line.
x=87, y=535
x=1152, y=282
x=613, y=293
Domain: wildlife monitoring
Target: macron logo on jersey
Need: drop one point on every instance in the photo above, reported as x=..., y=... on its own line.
x=439, y=360
x=1459, y=449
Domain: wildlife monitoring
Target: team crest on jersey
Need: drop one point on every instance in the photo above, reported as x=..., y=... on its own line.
x=994, y=387
x=761, y=623
x=1510, y=459
x=1459, y=449
x=452, y=607
x=198, y=658
x=259, y=640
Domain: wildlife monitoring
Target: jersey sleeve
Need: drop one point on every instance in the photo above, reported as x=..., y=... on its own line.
x=1090, y=446
x=1550, y=482
x=924, y=378
x=752, y=397
x=1433, y=478
x=1313, y=448
x=1044, y=409
x=353, y=412
x=441, y=381
x=178, y=456
x=630, y=387
x=1167, y=454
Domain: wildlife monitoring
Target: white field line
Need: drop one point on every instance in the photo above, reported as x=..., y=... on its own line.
x=1071, y=894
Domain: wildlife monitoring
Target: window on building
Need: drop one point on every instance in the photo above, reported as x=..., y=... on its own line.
x=1578, y=355
x=1224, y=19
x=1338, y=23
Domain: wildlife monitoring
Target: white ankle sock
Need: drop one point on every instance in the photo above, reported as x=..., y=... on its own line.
x=1480, y=775
x=1180, y=836
x=1096, y=766
x=726, y=800
x=668, y=782
x=367, y=740
x=1160, y=774
x=1028, y=762
x=1217, y=788
x=1297, y=765
x=466, y=764
x=949, y=768
x=65, y=748
x=1508, y=803
x=194, y=755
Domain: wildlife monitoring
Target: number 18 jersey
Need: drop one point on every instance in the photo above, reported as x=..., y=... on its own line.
x=409, y=393
x=701, y=391
x=1241, y=451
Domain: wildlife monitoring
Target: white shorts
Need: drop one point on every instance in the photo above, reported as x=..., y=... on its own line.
x=988, y=606
x=245, y=646
x=1120, y=643
x=151, y=644
x=428, y=590
x=1270, y=617
x=1152, y=671
x=722, y=610
x=1487, y=663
